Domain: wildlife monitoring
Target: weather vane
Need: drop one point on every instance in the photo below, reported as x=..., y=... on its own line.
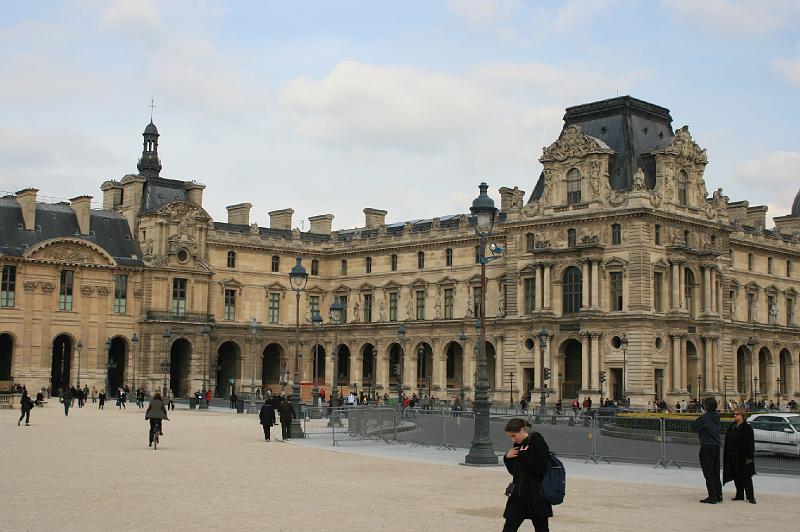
x=152, y=106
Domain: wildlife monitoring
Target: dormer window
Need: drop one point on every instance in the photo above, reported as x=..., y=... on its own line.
x=573, y=186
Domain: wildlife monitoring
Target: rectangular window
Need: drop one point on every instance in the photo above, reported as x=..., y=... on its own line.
x=790, y=311
x=788, y=268
x=178, y=297
x=750, y=261
x=658, y=235
x=769, y=264
x=394, y=263
x=276, y=263
x=313, y=304
x=343, y=301
x=476, y=303
x=8, y=286
x=314, y=267
x=658, y=295
x=448, y=257
x=274, y=307
x=420, y=304
x=616, y=291
x=368, y=265
x=344, y=267
x=448, y=303
x=616, y=234
x=393, y=306
x=477, y=254
x=120, y=294
x=367, y=308
x=530, y=242
x=420, y=260
x=572, y=238
x=751, y=307
x=530, y=294
x=65, y=290
x=230, y=305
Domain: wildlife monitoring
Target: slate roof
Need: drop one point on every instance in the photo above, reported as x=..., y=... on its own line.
x=108, y=230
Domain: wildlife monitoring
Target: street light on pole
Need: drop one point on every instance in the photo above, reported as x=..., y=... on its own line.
x=401, y=335
x=335, y=314
x=316, y=320
x=109, y=363
x=623, y=343
x=699, y=378
x=206, y=333
x=78, y=348
x=254, y=327
x=298, y=277
x=481, y=451
x=511, y=389
x=135, y=344
x=463, y=339
x=751, y=344
x=544, y=335
x=165, y=364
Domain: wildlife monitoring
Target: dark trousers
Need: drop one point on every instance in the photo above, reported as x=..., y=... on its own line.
x=709, y=462
x=517, y=511
x=171, y=404
x=284, y=430
x=155, y=425
x=66, y=408
x=744, y=487
x=27, y=415
x=267, y=427
x=102, y=404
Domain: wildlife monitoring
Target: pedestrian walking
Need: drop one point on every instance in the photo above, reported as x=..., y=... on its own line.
x=708, y=426
x=85, y=394
x=25, y=407
x=208, y=398
x=170, y=400
x=266, y=417
x=286, y=414
x=94, y=394
x=66, y=398
x=102, y=398
x=527, y=461
x=738, y=464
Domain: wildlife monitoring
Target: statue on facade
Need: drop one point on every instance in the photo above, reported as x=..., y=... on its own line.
x=382, y=312
x=437, y=308
x=356, y=309
x=638, y=180
x=408, y=310
x=773, y=314
x=470, y=305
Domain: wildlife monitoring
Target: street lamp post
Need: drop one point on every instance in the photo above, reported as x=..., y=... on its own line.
x=109, y=363
x=372, y=371
x=560, y=390
x=481, y=451
x=726, y=379
x=660, y=386
x=254, y=328
x=335, y=313
x=206, y=333
x=316, y=320
x=751, y=344
x=298, y=277
x=757, y=389
x=543, y=337
x=421, y=369
x=463, y=339
x=401, y=335
x=511, y=389
x=135, y=346
x=165, y=364
x=778, y=390
x=623, y=343
x=699, y=379
x=79, y=348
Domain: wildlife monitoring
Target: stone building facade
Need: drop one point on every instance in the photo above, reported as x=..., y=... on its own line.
x=647, y=286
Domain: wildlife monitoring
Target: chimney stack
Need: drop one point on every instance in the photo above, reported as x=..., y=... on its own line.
x=112, y=195
x=239, y=214
x=321, y=224
x=374, y=218
x=27, y=200
x=281, y=219
x=194, y=193
x=82, y=205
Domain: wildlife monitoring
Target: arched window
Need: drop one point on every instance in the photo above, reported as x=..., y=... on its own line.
x=572, y=287
x=231, y=259
x=573, y=186
x=688, y=290
x=276, y=263
x=683, y=187
x=616, y=234
x=420, y=260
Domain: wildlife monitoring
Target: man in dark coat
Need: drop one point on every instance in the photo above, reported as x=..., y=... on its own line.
x=156, y=413
x=25, y=407
x=286, y=413
x=708, y=426
x=527, y=461
x=267, y=418
x=66, y=398
x=738, y=462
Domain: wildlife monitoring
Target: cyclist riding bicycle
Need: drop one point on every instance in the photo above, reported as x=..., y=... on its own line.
x=156, y=412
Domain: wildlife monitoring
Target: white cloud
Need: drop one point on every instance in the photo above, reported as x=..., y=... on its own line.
x=737, y=18
x=576, y=13
x=137, y=18
x=483, y=13
x=789, y=69
x=772, y=179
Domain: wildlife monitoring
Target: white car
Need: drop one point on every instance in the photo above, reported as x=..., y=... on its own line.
x=776, y=432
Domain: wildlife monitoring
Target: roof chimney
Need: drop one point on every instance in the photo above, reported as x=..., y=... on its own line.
x=82, y=206
x=374, y=218
x=194, y=193
x=321, y=224
x=239, y=214
x=27, y=200
x=281, y=219
x=112, y=195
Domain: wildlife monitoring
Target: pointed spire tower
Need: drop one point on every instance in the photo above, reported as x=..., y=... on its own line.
x=149, y=163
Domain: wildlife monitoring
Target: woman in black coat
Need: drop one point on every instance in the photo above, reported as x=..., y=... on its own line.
x=527, y=461
x=738, y=462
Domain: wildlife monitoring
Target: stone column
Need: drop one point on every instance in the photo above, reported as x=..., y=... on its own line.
x=681, y=288
x=382, y=368
x=714, y=291
x=595, y=369
x=539, y=289
x=547, y=304
x=440, y=369
x=596, y=284
x=585, y=382
x=356, y=359
x=468, y=367
x=684, y=366
x=409, y=367
x=706, y=289
x=585, y=288
x=329, y=376
x=676, y=362
x=676, y=301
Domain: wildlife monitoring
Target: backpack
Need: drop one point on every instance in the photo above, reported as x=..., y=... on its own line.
x=553, y=486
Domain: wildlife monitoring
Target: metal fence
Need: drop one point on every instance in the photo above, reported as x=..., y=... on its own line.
x=658, y=441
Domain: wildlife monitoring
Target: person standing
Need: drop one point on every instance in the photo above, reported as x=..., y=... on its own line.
x=738, y=462
x=102, y=398
x=527, y=461
x=25, y=406
x=286, y=414
x=170, y=400
x=233, y=401
x=208, y=398
x=94, y=394
x=66, y=398
x=85, y=394
x=708, y=426
x=266, y=417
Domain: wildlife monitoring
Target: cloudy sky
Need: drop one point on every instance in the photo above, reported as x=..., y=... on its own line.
x=330, y=107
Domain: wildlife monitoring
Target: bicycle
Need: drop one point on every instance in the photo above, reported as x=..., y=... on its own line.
x=156, y=428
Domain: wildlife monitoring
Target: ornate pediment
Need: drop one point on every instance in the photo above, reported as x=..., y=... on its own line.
x=684, y=147
x=391, y=285
x=366, y=287
x=573, y=143
x=71, y=250
x=446, y=281
x=183, y=210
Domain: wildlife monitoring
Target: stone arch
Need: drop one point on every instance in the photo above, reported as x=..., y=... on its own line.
x=395, y=351
x=368, y=364
x=116, y=365
x=742, y=368
x=491, y=364
x=273, y=365
x=343, y=361
x=180, y=358
x=6, y=356
x=764, y=364
x=228, y=356
x=454, y=364
x=61, y=363
x=318, y=354
x=784, y=371
x=692, y=369
x=424, y=357
x=572, y=351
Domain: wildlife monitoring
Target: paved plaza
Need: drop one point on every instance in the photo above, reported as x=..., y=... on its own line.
x=94, y=471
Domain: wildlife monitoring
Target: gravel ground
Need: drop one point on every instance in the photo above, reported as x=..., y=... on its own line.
x=93, y=471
